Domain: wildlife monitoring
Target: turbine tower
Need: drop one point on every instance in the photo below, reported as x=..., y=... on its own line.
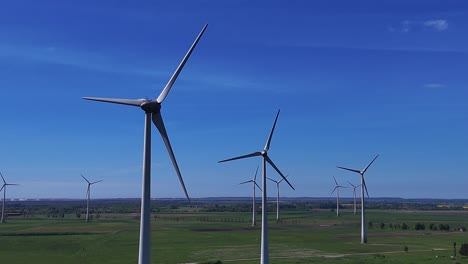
x=337, y=189
x=363, y=186
x=264, y=259
x=354, y=195
x=152, y=109
x=5, y=184
x=254, y=181
x=88, y=194
x=277, y=196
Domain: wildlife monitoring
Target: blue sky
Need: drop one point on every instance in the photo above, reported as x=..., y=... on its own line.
x=352, y=79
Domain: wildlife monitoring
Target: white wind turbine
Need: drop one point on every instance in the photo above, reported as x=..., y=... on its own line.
x=254, y=181
x=363, y=186
x=277, y=195
x=354, y=195
x=5, y=184
x=337, y=189
x=88, y=195
x=152, y=112
x=264, y=259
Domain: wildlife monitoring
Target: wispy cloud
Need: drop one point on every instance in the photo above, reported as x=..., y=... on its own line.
x=407, y=26
x=439, y=24
x=434, y=85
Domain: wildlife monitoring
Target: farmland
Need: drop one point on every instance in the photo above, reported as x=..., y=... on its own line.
x=188, y=234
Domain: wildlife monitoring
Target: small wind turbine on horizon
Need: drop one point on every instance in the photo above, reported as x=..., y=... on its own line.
x=277, y=195
x=88, y=195
x=5, y=184
x=264, y=258
x=363, y=186
x=152, y=109
x=337, y=189
x=254, y=181
x=354, y=195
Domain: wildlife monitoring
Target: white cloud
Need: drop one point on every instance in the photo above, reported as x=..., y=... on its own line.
x=439, y=24
x=411, y=25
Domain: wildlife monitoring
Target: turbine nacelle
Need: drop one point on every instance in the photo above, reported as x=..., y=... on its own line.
x=151, y=106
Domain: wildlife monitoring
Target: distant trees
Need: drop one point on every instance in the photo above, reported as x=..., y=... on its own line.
x=382, y=225
x=419, y=226
x=464, y=249
x=404, y=226
x=445, y=227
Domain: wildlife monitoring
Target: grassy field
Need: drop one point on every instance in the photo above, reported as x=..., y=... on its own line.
x=302, y=237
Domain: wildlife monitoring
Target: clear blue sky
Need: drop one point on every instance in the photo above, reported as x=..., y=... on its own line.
x=352, y=78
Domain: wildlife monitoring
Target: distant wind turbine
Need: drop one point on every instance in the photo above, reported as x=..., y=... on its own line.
x=5, y=184
x=337, y=189
x=354, y=195
x=277, y=195
x=264, y=259
x=152, y=112
x=363, y=186
x=88, y=194
x=255, y=185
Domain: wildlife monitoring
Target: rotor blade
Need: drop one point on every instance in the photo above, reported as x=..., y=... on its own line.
x=351, y=184
x=171, y=81
x=282, y=179
x=267, y=145
x=334, y=189
x=87, y=192
x=341, y=186
x=2, y=178
x=84, y=178
x=132, y=102
x=246, y=182
x=336, y=183
x=370, y=164
x=353, y=170
x=365, y=186
x=243, y=157
x=159, y=123
x=11, y=184
x=277, y=170
x=96, y=182
x=258, y=186
x=272, y=179
x=255, y=177
x=2, y=188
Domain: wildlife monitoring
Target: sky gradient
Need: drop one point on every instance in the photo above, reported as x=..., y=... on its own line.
x=352, y=79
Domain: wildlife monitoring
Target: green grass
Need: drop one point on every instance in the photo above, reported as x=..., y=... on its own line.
x=301, y=237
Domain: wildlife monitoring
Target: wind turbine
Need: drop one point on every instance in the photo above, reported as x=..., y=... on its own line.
x=88, y=194
x=152, y=110
x=264, y=259
x=363, y=186
x=354, y=194
x=253, y=198
x=337, y=189
x=5, y=184
x=277, y=195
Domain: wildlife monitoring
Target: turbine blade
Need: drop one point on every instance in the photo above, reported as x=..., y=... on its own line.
x=370, y=164
x=11, y=184
x=271, y=179
x=246, y=182
x=365, y=186
x=258, y=186
x=255, y=177
x=334, y=189
x=132, y=102
x=336, y=183
x=159, y=123
x=282, y=179
x=267, y=145
x=84, y=178
x=254, y=154
x=96, y=182
x=2, y=188
x=351, y=184
x=277, y=170
x=3, y=178
x=353, y=170
x=171, y=81
x=87, y=192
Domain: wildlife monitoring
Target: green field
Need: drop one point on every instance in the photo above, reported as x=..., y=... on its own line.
x=316, y=236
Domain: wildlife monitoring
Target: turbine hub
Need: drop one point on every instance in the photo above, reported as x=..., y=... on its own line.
x=151, y=107
x=264, y=152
